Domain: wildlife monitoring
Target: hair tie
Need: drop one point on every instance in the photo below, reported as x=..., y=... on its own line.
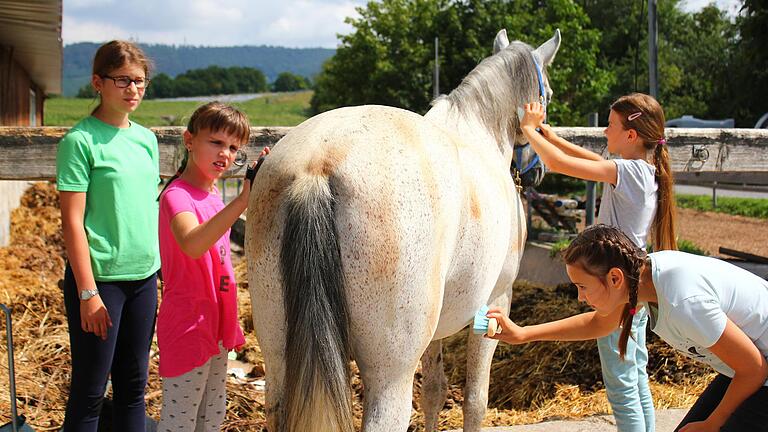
x=662, y=141
x=634, y=115
x=632, y=311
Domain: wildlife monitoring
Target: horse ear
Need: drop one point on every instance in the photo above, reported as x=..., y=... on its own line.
x=501, y=41
x=546, y=52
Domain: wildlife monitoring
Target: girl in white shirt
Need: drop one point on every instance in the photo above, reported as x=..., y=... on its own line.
x=707, y=309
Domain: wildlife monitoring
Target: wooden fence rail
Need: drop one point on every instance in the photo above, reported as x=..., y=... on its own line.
x=732, y=155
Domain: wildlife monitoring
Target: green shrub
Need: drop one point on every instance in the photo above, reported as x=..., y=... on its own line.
x=690, y=247
x=559, y=247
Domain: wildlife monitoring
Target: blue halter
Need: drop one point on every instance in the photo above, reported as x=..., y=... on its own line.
x=518, y=152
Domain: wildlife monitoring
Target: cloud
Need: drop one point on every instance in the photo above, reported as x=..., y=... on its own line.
x=292, y=23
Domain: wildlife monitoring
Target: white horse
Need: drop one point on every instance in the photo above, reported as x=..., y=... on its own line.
x=374, y=232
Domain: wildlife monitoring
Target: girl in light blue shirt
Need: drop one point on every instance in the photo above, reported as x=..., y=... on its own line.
x=707, y=309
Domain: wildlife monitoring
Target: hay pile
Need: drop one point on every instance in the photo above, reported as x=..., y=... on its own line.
x=529, y=383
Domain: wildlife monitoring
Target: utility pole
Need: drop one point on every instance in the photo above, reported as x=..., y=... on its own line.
x=653, y=52
x=591, y=198
x=436, y=78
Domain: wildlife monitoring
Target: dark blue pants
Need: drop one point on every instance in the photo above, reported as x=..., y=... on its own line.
x=751, y=415
x=132, y=306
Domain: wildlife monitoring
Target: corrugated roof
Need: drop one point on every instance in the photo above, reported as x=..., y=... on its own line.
x=33, y=29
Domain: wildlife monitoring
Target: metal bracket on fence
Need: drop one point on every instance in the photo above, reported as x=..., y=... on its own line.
x=699, y=154
x=241, y=158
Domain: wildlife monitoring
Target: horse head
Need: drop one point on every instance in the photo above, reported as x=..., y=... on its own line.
x=526, y=163
x=493, y=92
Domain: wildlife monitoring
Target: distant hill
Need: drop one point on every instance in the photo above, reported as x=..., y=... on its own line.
x=173, y=60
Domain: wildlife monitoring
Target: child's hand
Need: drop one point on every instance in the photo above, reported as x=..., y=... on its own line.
x=547, y=131
x=508, y=332
x=534, y=116
x=94, y=317
x=250, y=172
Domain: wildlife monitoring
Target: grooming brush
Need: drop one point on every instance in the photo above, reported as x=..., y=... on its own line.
x=483, y=324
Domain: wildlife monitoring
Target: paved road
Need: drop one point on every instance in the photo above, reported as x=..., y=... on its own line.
x=702, y=190
x=666, y=420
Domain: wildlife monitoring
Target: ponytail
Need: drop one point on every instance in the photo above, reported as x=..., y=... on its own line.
x=182, y=166
x=643, y=113
x=663, y=229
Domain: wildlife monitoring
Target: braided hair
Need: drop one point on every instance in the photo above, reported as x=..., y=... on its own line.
x=597, y=250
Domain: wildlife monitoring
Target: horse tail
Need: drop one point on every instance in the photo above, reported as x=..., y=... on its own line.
x=317, y=379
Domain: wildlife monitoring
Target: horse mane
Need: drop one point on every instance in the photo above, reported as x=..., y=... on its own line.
x=496, y=87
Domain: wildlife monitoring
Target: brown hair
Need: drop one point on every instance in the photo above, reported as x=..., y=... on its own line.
x=597, y=250
x=116, y=54
x=644, y=114
x=215, y=117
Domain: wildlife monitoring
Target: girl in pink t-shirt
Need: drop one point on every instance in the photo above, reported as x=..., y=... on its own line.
x=197, y=324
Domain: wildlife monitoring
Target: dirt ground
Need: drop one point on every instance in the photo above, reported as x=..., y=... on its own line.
x=710, y=231
x=529, y=383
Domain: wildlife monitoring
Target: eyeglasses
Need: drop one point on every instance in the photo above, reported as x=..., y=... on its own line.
x=125, y=82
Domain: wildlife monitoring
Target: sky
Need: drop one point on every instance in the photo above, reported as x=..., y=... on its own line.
x=288, y=23
x=731, y=6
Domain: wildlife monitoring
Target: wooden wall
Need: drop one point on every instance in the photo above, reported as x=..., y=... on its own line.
x=15, y=86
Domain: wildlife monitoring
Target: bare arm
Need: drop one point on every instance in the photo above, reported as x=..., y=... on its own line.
x=584, y=326
x=568, y=147
x=559, y=160
x=750, y=368
x=93, y=315
x=195, y=238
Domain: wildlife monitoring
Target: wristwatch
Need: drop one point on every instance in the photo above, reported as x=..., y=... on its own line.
x=87, y=294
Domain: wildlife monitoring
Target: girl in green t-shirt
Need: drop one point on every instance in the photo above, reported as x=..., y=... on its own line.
x=107, y=176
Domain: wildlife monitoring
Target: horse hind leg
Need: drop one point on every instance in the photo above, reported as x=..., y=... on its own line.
x=388, y=401
x=434, y=385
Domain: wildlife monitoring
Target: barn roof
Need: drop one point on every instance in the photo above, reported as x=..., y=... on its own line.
x=32, y=29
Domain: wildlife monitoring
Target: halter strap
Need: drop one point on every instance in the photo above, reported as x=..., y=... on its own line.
x=540, y=74
x=518, y=152
x=518, y=155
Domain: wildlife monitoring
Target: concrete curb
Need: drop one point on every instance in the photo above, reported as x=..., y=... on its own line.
x=666, y=421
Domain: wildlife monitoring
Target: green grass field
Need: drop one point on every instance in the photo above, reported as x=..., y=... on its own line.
x=282, y=109
x=751, y=207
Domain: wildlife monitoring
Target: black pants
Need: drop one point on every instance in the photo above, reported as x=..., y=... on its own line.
x=751, y=415
x=132, y=306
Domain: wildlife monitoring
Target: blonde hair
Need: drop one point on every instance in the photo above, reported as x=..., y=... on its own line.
x=643, y=113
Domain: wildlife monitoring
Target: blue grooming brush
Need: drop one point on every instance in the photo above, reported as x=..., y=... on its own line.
x=484, y=325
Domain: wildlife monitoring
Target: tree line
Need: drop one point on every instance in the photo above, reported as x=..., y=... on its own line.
x=214, y=80
x=711, y=65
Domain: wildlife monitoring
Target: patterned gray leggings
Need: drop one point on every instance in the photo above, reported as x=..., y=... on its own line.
x=197, y=400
